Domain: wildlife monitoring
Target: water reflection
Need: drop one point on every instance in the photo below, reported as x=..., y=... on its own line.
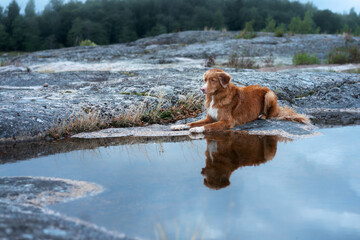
x=310, y=189
x=13, y=152
x=227, y=152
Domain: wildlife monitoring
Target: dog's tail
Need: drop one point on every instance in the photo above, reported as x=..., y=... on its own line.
x=289, y=114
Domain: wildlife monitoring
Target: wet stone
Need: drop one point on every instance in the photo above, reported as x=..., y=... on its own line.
x=24, y=215
x=31, y=222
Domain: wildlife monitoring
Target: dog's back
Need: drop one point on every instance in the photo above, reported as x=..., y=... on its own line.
x=252, y=103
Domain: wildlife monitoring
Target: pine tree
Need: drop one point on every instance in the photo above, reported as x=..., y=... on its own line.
x=4, y=38
x=30, y=9
x=12, y=12
x=270, y=24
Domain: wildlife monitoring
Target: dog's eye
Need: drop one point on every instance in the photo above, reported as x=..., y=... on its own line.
x=213, y=80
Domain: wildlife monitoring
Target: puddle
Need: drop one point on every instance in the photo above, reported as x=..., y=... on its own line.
x=20, y=88
x=222, y=187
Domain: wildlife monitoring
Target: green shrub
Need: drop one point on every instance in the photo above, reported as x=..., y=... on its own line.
x=357, y=71
x=354, y=53
x=305, y=59
x=342, y=55
x=338, y=57
x=270, y=24
x=357, y=31
x=87, y=42
x=280, y=30
x=248, y=32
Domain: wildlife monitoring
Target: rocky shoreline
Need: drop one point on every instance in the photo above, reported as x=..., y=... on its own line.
x=42, y=89
x=24, y=212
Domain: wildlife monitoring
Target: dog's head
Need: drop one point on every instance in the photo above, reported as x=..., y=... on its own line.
x=215, y=79
x=215, y=178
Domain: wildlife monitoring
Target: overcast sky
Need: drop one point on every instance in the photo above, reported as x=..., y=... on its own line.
x=334, y=5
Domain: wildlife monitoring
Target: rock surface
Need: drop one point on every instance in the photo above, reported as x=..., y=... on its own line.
x=24, y=215
x=49, y=86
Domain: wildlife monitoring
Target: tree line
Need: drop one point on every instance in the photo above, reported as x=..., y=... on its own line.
x=116, y=21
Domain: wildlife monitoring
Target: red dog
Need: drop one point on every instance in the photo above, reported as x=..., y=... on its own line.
x=228, y=105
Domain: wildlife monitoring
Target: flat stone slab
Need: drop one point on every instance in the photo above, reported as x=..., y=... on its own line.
x=23, y=214
x=279, y=128
x=258, y=127
x=154, y=130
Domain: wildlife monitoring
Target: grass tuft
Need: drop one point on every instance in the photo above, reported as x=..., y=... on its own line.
x=342, y=55
x=357, y=71
x=304, y=58
x=210, y=61
x=245, y=60
x=135, y=115
x=136, y=94
x=76, y=123
x=138, y=115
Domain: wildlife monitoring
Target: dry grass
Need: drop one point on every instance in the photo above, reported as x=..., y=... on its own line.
x=245, y=60
x=268, y=61
x=210, y=61
x=139, y=115
x=135, y=115
x=76, y=123
x=343, y=55
x=357, y=71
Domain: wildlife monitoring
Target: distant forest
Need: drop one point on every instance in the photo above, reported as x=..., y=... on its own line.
x=117, y=21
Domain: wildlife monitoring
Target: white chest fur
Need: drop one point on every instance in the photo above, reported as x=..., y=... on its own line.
x=213, y=112
x=212, y=148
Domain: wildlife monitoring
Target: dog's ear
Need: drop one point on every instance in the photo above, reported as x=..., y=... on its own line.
x=224, y=79
x=205, y=75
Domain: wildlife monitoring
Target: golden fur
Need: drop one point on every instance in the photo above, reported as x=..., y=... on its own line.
x=229, y=105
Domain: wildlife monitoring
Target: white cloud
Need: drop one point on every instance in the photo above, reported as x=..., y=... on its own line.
x=333, y=220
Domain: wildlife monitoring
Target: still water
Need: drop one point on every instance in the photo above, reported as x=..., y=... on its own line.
x=221, y=187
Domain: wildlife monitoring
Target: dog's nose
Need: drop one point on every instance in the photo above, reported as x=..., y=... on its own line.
x=203, y=90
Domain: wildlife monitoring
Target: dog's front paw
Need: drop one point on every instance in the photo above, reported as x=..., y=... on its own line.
x=179, y=127
x=197, y=130
x=197, y=136
x=262, y=116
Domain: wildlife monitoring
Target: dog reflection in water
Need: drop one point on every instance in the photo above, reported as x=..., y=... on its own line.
x=227, y=152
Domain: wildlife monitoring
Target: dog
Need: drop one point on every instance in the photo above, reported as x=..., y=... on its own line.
x=229, y=151
x=229, y=105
